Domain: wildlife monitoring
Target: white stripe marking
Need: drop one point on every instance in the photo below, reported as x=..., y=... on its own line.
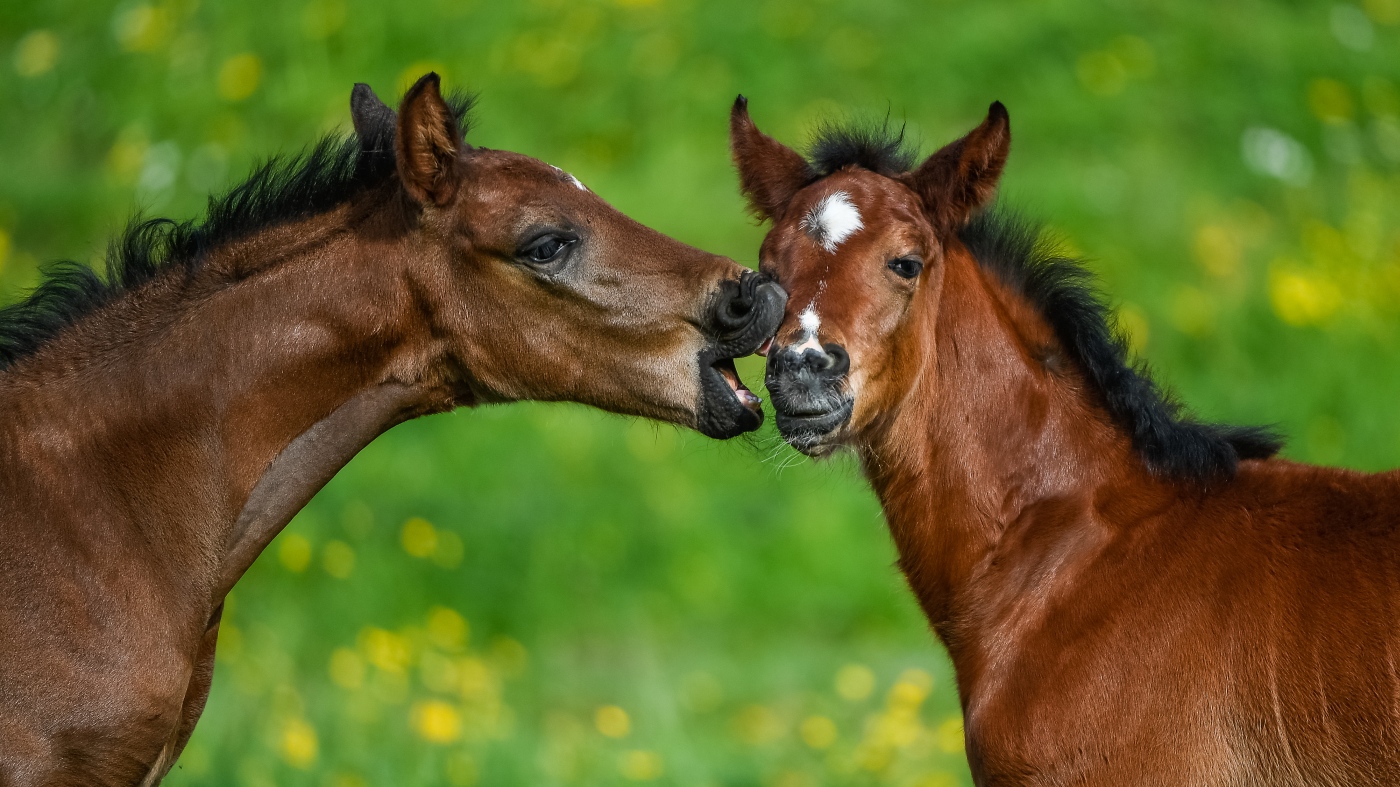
x=811, y=322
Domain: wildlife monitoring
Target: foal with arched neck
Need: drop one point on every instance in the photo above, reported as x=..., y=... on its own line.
x=1129, y=597
x=159, y=428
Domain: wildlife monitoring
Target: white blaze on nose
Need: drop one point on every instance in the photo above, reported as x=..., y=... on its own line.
x=811, y=322
x=832, y=220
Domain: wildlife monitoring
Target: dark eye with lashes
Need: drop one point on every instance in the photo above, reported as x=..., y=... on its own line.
x=906, y=267
x=548, y=249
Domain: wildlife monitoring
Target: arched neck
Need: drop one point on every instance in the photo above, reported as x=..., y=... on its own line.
x=994, y=429
x=199, y=414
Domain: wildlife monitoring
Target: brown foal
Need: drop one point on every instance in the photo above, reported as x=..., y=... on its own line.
x=159, y=428
x=1129, y=597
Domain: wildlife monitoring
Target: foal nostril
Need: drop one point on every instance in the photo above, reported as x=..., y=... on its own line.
x=815, y=361
x=829, y=363
x=838, y=361
x=745, y=308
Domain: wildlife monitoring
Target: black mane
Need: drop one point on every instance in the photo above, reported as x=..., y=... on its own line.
x=281, y=190
x=1013, y=249
x=1062, y=290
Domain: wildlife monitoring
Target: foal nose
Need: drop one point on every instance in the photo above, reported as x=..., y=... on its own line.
x=827, y=363
x=746, y=313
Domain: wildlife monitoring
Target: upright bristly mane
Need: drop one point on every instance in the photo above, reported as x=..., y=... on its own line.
x=1061, y=289
x=281, y=190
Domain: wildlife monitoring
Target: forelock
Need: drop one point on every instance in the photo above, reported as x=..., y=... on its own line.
x=878, y=147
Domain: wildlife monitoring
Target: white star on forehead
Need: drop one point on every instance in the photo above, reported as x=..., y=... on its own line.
x=832, y=220
x=577, y=183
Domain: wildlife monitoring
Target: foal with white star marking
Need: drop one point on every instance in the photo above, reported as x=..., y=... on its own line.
x=1129, y=596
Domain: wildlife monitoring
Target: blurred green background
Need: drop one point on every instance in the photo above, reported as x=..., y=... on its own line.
x=546, y=595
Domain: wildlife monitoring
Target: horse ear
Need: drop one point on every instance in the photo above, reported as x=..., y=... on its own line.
x=960, y=178
x=374, y=120
x=770, y=173
x=429, y=139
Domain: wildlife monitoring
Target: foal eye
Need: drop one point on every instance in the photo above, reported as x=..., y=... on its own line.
x=906, y=267
x=547, y=248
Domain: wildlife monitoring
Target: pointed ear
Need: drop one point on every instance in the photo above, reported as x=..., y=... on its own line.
x=960, y=178
x=770, y=173
x=428, y=142
x=374, y=120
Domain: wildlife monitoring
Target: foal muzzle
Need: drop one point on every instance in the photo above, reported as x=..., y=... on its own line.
x=807, y=385
x=742, y=316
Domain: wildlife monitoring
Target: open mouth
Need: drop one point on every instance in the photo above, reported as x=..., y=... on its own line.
x=746, y=317
x=726, y=370
x=727, y=407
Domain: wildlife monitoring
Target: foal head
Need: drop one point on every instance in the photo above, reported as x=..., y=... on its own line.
x=860, y=246
x=539, y=289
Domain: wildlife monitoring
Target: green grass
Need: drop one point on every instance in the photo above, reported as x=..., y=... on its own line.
x=723, y=596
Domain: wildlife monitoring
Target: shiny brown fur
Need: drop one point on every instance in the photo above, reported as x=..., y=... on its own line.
x=153, y=447
x=1110, y=624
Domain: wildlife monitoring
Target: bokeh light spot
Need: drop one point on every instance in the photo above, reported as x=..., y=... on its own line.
x=1383, y=12
x=1269, y=151
x=36, y=53
x=385, y=649
x=1218, y=249
x=347, y=669
x=757, y=725
x=612, y=721
x=949, y=735
x=419, y=537
x=294, y=552
x=1102, y=73
x=323, y=18
x=436, y=721
x=509, y=656
x=640, y=765
x=855, y=682
x=447, y=629
x=1330, y=101
x=1300, y=297
x=239, y=77
x=818, y=732
x=910, y=690
x=141, y=28
x=449, y=550
x=298, y=744
x=338, y=559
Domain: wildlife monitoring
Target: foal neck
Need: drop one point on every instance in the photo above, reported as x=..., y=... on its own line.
x=997, y=432
x=216, y=404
